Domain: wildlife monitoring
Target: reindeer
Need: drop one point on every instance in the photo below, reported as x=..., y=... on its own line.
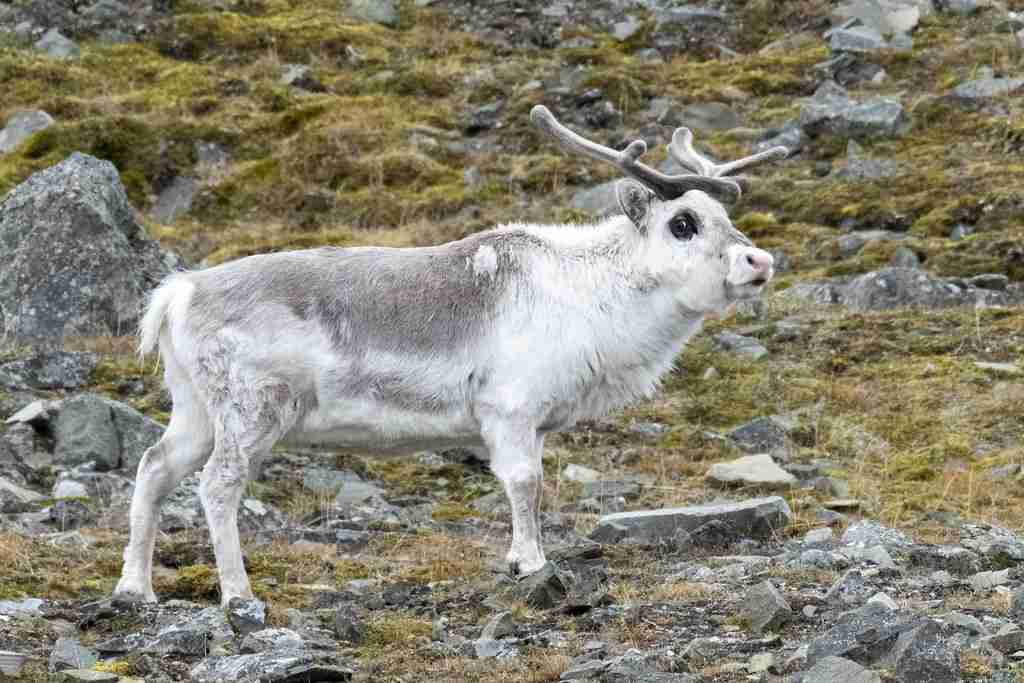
x=488, y=343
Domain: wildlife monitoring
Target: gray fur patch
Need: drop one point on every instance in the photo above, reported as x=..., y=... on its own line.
x=435, y=299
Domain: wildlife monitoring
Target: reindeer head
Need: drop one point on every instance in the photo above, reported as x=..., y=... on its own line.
x=691, y=245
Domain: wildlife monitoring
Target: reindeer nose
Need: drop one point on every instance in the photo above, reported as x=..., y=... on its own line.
x=760, y=261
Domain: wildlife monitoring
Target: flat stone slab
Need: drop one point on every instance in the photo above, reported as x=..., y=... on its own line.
x=751, y=470
x=753, y=517
x=839, y=670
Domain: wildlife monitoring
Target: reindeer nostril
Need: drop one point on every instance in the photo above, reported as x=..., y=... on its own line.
x=751, y=261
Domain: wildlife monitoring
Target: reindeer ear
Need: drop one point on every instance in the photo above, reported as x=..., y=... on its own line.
x=635, y=201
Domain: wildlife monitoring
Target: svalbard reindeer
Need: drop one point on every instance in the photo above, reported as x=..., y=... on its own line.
x=489, y=343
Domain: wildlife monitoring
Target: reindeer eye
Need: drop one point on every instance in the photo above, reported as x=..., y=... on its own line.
x=683, y=226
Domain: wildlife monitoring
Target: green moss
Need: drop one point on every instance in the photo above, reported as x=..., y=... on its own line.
x=452, y=512
x=197, y=582
x=391, y=631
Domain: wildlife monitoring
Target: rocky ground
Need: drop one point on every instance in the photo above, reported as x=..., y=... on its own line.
x=826, y=489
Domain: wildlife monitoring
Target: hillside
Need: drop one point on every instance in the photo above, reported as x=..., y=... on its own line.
x=883, y=371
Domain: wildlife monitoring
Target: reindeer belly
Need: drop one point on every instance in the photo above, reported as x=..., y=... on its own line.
x=373, y=425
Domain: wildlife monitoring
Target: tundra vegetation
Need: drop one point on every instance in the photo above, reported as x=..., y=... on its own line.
x=418, y=133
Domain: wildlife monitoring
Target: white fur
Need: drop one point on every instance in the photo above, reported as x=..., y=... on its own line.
x=589, y=322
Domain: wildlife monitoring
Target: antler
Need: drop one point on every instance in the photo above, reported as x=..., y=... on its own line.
x=707, y=176
x=681, y=149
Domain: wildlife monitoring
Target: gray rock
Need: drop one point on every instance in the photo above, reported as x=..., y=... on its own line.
x=986, y=88
x=865, y=635
x=350, y=540
x=960, y=231
x=500, y=625
x=982, y=582
x=1007, y=642
x=484, y=117
x=348, y=626
x=136, y=432
x=104, y=487
x=762, y=434
x=271, y=640
x=192, y=636
x=942, y=579
x=831, y=111
x=68, y=653
x=107, y=10
x=301, y=76
x=267, y=667
x=56, y=45
x=902, y=287
x=966, y=622
x=11, y=662
x=998, y=547
x=839, y=670
x=49, y=370
x=384, y=12
x=88, y=676
x=247, y=615
x=952, y=558
x=751, y=470
x=875, y=554
x=84, y=431
x=626, y=29
x=866, y=168
x=1004, y=369
x=963, y=8
x=649, y=430
x=791, y=136
x=756, y=517
x=75, y=261
x=849, y=590
x=884, y=600
x=868, y=533
x=327, y=480
x=543, y=589
x=356, y=491
x=28, y=607
x=765, y=609
x=21, y=127
x=818, y=559
x=579, y=473
x=738, y=344
x=14, y=498
x=21, y=452
x=494, y=649
x=611, y=488
x=38, y=414
x=687, y=15
x=887, y=17
x=904, y=257
x=761, y=663
x=995, y=281
x=597, y=201
x=175, y=200
x=708, y=116
x=923, y=654
x=857, y=39
x=586, y=670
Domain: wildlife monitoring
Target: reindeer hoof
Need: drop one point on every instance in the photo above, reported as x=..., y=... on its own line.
x=127, y=598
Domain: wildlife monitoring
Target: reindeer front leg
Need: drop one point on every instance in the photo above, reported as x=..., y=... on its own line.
x=515, y=452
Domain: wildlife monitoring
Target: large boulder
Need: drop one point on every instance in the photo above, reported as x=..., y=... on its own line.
x=56, y=370
x=73, y=260
x=890, y=288
x=91, y=428
x=21, y=127
x=832, y=111
x=757, y=517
